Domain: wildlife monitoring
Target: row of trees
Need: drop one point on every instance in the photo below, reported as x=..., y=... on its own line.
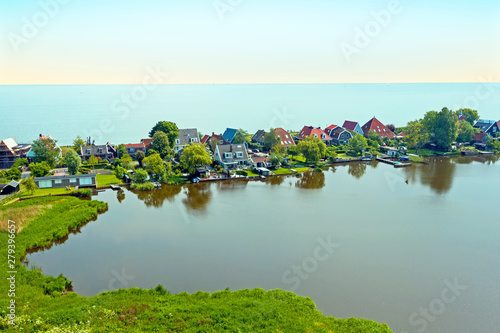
x=441, y=128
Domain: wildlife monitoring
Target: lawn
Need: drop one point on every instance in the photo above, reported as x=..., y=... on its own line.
x=106, y=180
x=344, y=156
x=422, y=152
x=44, y=191
x=282, y=171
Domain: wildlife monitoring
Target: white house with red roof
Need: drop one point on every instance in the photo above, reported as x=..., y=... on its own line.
x=353, y=126
x=378, y=128
x=316, y=132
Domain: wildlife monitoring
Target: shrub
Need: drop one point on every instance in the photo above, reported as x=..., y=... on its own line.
x=142, y=187
x=82, y=193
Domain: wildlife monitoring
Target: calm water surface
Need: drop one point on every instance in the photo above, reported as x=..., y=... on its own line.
x=397, y=249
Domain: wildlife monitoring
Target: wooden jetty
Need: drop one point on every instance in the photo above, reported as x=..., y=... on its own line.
x=396, y=164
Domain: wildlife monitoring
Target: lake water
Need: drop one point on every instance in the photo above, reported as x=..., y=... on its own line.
x=119, y=114
x=358, y=239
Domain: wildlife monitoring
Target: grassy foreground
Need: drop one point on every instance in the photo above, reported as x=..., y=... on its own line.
x=43, y=305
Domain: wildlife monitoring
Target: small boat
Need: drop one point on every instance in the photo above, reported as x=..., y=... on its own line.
x=115, y=187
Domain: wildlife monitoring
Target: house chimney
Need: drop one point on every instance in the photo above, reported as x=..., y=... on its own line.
x=231, y=148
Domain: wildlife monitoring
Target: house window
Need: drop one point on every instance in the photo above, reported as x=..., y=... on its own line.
x=44, y=183
x=88, y=152
x=194, y=139
x=86, y=181
x=131, y=149
x=323, y=135
x=239, y=154
x=177, y=141
x=228, y=155
x=72, y=180
x=99, y=150
x=57, y=181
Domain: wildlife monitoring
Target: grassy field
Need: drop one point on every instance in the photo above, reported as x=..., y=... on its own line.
x=44, y=191
x=42, y=303
x=422, y=152
x=282, y=171
x=106, y=180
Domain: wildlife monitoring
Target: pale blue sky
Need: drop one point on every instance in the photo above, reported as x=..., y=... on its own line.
x=254, y=41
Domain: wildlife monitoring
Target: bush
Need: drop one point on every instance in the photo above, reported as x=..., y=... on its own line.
x=142, y=187
x=82, y=193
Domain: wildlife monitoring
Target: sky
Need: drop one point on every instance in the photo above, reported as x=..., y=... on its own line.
x=249, y=41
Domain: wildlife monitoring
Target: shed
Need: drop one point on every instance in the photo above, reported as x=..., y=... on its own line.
x=263, y=171
x=11, y=187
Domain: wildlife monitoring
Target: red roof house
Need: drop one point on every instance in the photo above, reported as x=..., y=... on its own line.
x=285, y=137
x=313, y=131
x=378, y=128
x=330, y=129
x=353, y=126
x=148, y=143
x=205, y=138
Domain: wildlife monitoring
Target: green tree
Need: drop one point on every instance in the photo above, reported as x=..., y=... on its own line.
x=30, y=185
x=442, y=127
x=140, y=176
x=465, y=131
x=331, y=153
x=92, y=161
x=276, y=159
x=78, y=143
x=40, y=169
x=271, y=139
x=118, y=172
x=127, y=162
x=493, y=145
x=357, y=144
x=46, y=149
x=73, y=161
x=293, y=151
x=154, y=165
x=241, y=136
x=121, y=150
x=193, y=156
x=375, y=137
x=20, y=162
x=471, y=115
x=167, y=127
x=312, y=148
x=139, y=156
x=161, y=144
x=416, y=135
x=213, y=142
x=151, y=152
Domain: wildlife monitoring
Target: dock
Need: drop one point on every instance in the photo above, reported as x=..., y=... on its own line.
x=396, y=164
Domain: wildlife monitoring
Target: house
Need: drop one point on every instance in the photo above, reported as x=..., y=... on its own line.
x=488, y=126
x=105, y=152
x=285, y=137
x=263, y=171
x=148, y=143
x=10, y=151
x=10, y=188
x=258, y=137
x=88, y=180
x=353, y=126
x=232, y=156
x=341, y=136
x=133, y=148
x=316, y=132
x=186, y=137
x=378, y=128
x=330, y=129
x=260, y=162
x=480, y=138
x=205, y=139
x=229, y=134
x=31, y=154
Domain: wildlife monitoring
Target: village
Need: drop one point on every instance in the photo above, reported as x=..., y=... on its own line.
x=175, y=156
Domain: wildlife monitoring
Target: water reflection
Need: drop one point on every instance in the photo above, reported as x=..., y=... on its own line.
x=311, y=180
x=277, y=180
x=231, y=185
x=157, y=197
x=357, y=170
x=197, y=197
x=438, y=174
x=120, y=195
